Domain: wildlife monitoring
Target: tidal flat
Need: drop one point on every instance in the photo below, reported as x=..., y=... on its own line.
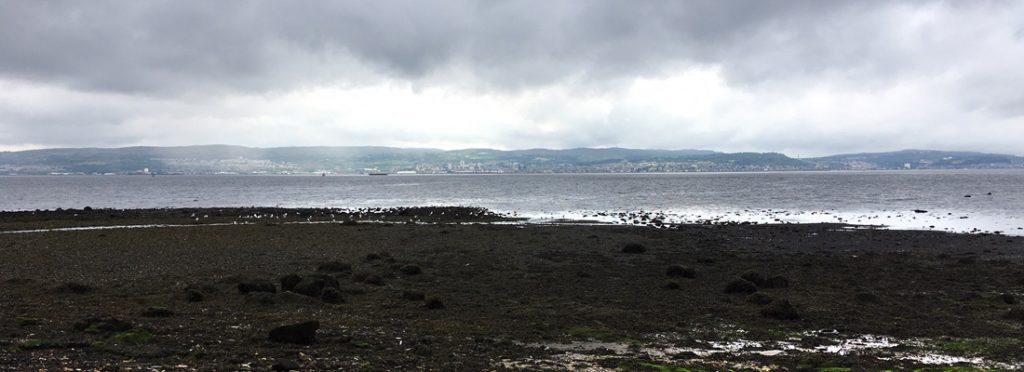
x=451, y=288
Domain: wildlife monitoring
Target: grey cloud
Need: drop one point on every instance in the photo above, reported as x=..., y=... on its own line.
x=163, y=46
x=128, y=54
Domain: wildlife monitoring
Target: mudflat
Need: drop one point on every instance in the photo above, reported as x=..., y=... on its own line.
x=464, y=289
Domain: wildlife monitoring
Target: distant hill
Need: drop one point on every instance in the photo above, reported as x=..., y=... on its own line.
x=919, y=159
x=214, y=159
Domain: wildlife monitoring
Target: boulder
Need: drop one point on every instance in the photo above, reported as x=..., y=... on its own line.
x=781, y=310
x=285, y=365
x=104, y=324
x=157, y=312
x=760, y=298
x=334, y=267
x=260, y=298
x=332, y=296
x=754, y=277
x=740, y=285
x=679, y=271
x=634, y=248
x=313, y=285
x=246, y=286
x=1016, y=313
x=193, y=295
x=433, y=303
x=413, y=295
x=289, y=281
x=300, y=333
x=777, y=281
x=410, y=269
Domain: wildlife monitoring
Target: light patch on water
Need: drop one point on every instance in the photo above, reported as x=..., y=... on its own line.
x=585, y=355
x=948, y=221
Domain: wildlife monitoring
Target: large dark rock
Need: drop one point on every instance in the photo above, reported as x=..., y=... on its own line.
x=334, y=267
x=410, y=269
x=157, y=312
x=866, y=297
x=261, y=298
x=433, y=303
x=760, y=298
x=1016, y=313
x=74, y=288
x=634, y=248
x=193, y=295
x=301, y=333
x=781, y=310
x=289, y=281
x=332, y=296
x=413, y=295
x=679, y=271
x=102, y=325
x=285, y=365
x=374, y=280
x=777, y=281
x=754, y=277
x=246, y=286
x=314, y=285
x=740, y=285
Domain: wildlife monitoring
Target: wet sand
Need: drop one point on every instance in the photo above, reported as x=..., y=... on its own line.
x=462, y=289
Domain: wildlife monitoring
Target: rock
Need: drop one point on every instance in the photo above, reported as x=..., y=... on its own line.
x=102, y=325
x=760, y=298
x=374, y=280
x=1008, y=298
x=260, y=298
x=289, y=297
x=361, y=275
x=1016, y=313
x=246, y=286
x=74, y=288
x=157, y=312
x=300, y=333
x=777, y=281
x=740, y=285
x=754, y=277
x=334, y=267
x=289, y=281
x=313, y=285
x=413, y=295
x=781, y=310
x=410, y=269
x=285, y=365
x=671, y=284
x=679, y=271
x=634, y=248
x=192, y=295
x=379, y=256
x=433, y=303
x=866, y=297
x=332, y=296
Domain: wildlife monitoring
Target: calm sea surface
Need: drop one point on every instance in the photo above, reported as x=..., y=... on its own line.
x=882, y=198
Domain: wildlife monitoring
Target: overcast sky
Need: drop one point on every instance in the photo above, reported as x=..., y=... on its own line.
x=800, y=77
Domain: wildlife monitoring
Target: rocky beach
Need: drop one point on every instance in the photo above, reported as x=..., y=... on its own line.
x=455, y=288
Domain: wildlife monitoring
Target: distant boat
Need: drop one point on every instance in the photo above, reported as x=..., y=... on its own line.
x=378, y=174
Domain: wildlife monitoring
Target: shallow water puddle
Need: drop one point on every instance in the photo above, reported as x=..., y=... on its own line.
x=587, y=355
